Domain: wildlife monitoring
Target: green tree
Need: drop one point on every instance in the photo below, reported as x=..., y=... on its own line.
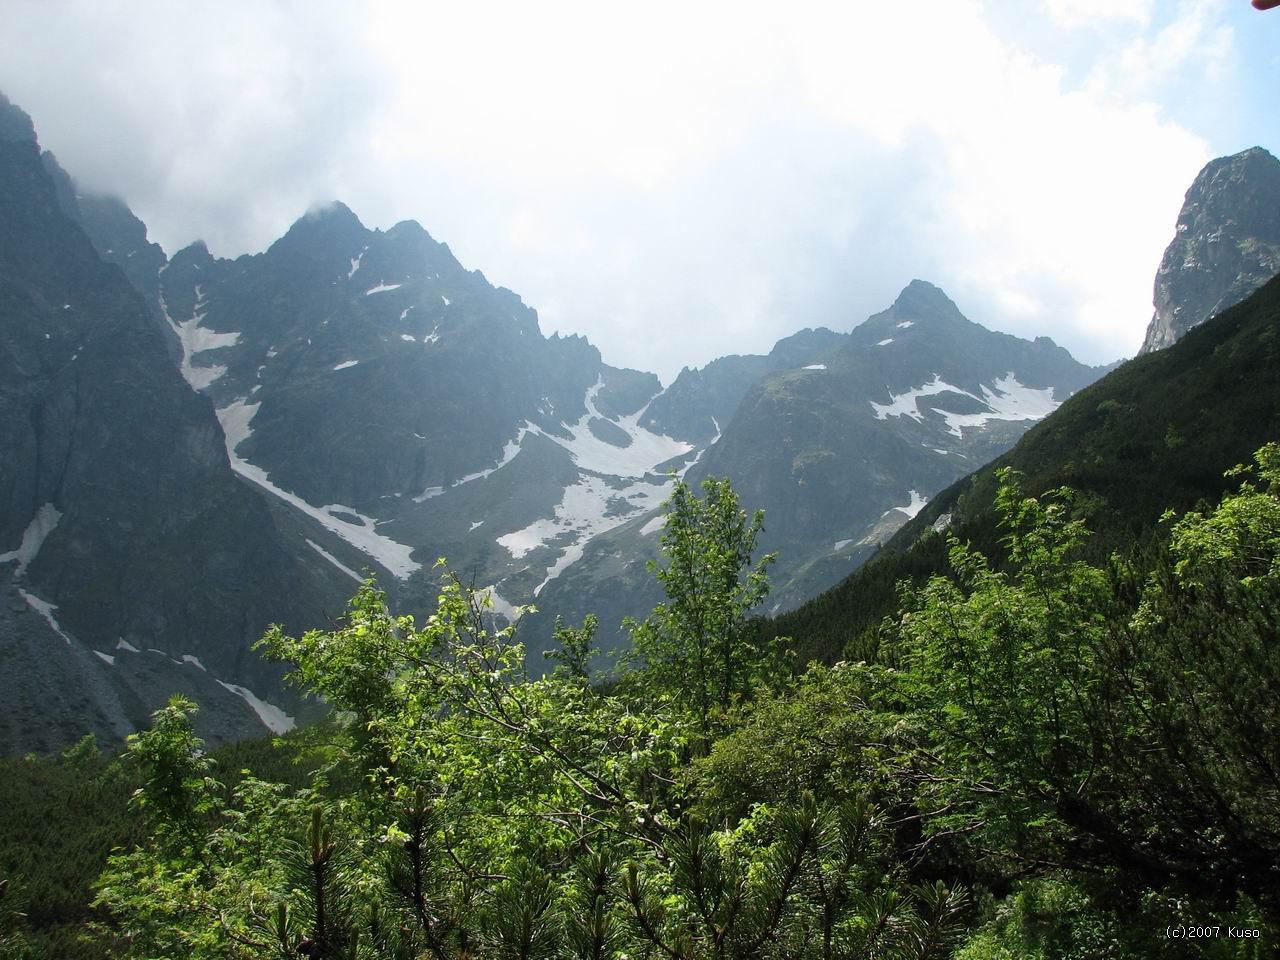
x=1086, y=716
x=696, y=646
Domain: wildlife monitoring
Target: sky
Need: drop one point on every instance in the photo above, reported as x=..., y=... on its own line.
x=679, y=181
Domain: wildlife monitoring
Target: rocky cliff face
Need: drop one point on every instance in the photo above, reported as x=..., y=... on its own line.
x=123, y=531
x=1226, y=246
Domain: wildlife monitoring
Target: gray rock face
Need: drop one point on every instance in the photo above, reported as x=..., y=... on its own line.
x=122, y=525
x=1227, y=245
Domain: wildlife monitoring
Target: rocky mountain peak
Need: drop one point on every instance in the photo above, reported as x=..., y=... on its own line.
x=322, y=227
x=920, y=300
x=1226, y=244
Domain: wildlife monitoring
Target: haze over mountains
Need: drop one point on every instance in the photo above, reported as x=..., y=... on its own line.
x=199, y=447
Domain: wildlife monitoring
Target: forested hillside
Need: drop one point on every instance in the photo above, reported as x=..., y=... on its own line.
x=1155, y=434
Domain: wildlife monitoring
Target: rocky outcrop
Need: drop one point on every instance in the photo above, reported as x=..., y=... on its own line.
x=1227, y=245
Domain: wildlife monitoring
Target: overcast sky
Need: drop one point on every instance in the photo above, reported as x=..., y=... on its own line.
x=679, y=181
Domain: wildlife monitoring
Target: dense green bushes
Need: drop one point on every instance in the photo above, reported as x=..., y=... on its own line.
x=1057, y=757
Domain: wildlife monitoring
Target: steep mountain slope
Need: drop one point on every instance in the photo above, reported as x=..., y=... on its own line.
x=843, y=451
x=1157, y=433
x=1227, y=244
x=408, y=409
x=122, y=527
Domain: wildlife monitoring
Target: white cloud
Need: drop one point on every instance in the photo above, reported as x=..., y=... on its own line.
x=675, y=181
x=1098, y=13
x=1195, y=38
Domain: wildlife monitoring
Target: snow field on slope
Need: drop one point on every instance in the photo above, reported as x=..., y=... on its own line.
x=916, y=504
x=646, y=450
x=583, y=514
x=33, y=538
x=1006, y=399
x=395, y=557
x=196, y=339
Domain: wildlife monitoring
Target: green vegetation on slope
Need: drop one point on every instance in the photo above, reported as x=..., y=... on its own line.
x=1155, y=434
x=1059, y=758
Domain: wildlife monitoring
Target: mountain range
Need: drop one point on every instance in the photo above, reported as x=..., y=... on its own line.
x=198, y=447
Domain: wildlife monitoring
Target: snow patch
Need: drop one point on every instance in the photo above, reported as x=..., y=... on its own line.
x=345, y=364
x=588, y=508
x=816, y=366
x=885, y=342
x=911, y=509
x=905, y=323
x=646, y=450
x=382, y=287
x=194, y=661
x=123, y=644
x=654, y=525
x=272, y=717
x=840, y=545
x=405, y=312
x=395, y=557
x=355, y=263
x=497, y=603
x=477, y=523
x=335, y=561
x=408, y=338
x=33, y=537
x=45, y=609
x=1006, y=399
x=445, y=300
x=106, y=658
x=196, y=339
